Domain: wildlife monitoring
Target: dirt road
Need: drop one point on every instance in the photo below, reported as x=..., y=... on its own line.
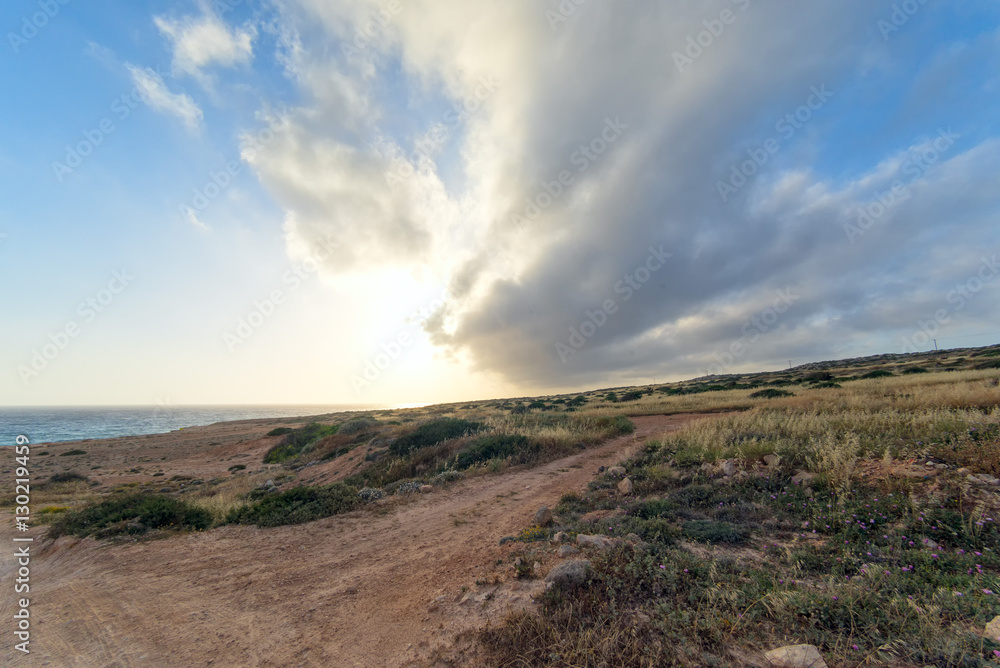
x=364, y=589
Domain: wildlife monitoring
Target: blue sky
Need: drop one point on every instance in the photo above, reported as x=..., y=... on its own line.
x=487, y=308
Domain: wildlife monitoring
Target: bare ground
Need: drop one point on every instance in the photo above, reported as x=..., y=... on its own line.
x=379, y=587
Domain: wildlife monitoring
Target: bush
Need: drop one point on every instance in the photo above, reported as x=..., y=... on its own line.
x=132, y=514
x=634, y=395
x=237, y=467
x=280, y=431
x=707, y=531
x=537, y=404
x=297, y=505
x=70, y=453
x=770, y=393
x=914, y=369
x=877, y=373
x=611, y=426
x=498, y=446
x=358, y=425
x=71, y=476
x=296, y=440
x=432, y=433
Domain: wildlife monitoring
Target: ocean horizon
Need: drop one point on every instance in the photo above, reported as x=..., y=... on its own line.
x=50, y=424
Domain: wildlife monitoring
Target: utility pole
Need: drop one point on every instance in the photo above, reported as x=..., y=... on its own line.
x=935, y=344
x=789, y=364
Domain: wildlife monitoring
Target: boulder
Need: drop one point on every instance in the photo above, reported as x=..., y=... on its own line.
x=559, y=537
x=992, y=630
x=772, y=460
x=595, y=540
x=796, y=656
x=803, y=477
x=567, y=550
x=728, y=468
x=625, y=486
x=572, y=572
x=426, y=489
x=543, y=517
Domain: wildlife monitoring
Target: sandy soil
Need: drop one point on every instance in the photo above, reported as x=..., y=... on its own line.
x=385, y=587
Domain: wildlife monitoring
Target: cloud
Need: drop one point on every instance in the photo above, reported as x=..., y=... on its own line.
x=205, y=40
x=597, y=143
x=158, y=97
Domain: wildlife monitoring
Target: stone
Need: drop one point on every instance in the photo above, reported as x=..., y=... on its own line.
x=708, y=468
x=992, y=630
x=616, y=471
x=987, y=479
x=728, y=468
x=269, y=483
x=963, y=471
x=543, y=517
x=942, y=467
x=567, y=550
x=426, y=489
x=572, y=572
x=625, y=486
x=796, y=656
x=803, y=477
x=772, y=460
x=595, y=540
x=559, y=537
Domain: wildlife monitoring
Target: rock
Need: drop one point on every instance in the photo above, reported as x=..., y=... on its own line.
x=809, y=491
x=963, y=471
x=616, y=471
x=796, y=656
x=567, y=550
x=800, y=478
x=987, y=479
x=992, y=630
x=772, y=460
x=426, y=489
x=571, y=572
x=543, y=517
x=598, y=515
x=942, y=467
x=728, y=468
x=269, y=483
x=559, y=537
x=598, y=541
x=625, y=486
x=930, y=544
x=708, y=468
x=536, y=568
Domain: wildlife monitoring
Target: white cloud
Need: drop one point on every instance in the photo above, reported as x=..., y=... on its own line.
x=158, y=97
x=205, y=40
x=515, y=293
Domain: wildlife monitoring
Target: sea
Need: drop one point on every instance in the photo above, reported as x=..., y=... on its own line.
x=46, y=424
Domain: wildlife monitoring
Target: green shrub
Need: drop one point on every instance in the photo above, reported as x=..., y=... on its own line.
x=877, y=373
x=914, y=369
x=707, y=531
x=611, y=426
x=280, y=431
x=296, y=440
x=71, y=476
x=358, y=425
x=634, y=395
x=770, y=393
x=432, y=433
x=297, y=505
x=498, y=446
x=70, y=453
x=132, y=514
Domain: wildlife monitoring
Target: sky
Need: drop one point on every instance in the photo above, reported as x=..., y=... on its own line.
x=414, y=201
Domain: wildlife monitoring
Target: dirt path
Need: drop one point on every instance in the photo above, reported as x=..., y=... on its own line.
x=354, y=590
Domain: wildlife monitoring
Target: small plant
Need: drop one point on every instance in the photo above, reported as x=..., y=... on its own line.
x=297, y=505
x=72, y=453
x=237, y=467
x=877, y=373
x=634, y=395
x=533, y=534
x=707, y=531
x=70, y=476
x=132, y=514
x=280, y=431
x=913, y=370
x=771, y=393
